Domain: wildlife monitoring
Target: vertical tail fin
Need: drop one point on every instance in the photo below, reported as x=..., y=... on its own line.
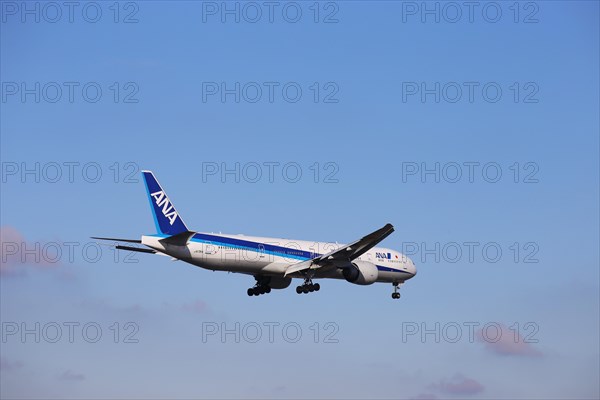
x=166, y=218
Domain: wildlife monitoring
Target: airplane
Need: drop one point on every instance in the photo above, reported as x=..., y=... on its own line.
x=272, y=261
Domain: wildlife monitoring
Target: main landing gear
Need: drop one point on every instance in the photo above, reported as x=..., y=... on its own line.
x=261, y=287
x=258, y=290
x=308, y=286
x=396, y=294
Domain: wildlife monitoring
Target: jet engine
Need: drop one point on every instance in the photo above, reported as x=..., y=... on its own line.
x=279, y=283
x=361, y=273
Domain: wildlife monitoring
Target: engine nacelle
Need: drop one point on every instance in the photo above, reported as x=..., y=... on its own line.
x=279, y=283
x=361, y=273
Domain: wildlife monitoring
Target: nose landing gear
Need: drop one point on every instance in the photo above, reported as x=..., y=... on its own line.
x=396, y=294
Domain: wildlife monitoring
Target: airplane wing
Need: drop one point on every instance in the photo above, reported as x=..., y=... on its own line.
x=342, y=256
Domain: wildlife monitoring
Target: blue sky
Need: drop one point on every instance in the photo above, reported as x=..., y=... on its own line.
x=365, y=129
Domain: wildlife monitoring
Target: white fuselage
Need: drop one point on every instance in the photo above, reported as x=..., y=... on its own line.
x=271, y=256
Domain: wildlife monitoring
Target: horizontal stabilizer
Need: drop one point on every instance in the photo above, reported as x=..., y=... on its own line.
x=138, y=249
x=118, y=240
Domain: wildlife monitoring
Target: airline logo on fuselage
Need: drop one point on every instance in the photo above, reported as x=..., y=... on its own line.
x=167, y=208
x=383, y=255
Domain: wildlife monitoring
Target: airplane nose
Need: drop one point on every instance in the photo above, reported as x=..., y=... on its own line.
x=412, y=268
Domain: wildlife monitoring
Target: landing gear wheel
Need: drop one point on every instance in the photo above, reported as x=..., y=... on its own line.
x=395, y=295
x=308, y=286
x=261, y=286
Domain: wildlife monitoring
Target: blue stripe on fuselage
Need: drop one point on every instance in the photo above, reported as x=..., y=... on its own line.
x=265, y=248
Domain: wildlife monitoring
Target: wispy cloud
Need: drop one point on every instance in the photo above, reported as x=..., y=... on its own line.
x=279, y=389
x=9, y=366
x=508, y=343
x=425, y=396
x=195, y=307
x=10, y=239
x=17, y=253
x=459, y=385
x=102, y=306
x=69, y=375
